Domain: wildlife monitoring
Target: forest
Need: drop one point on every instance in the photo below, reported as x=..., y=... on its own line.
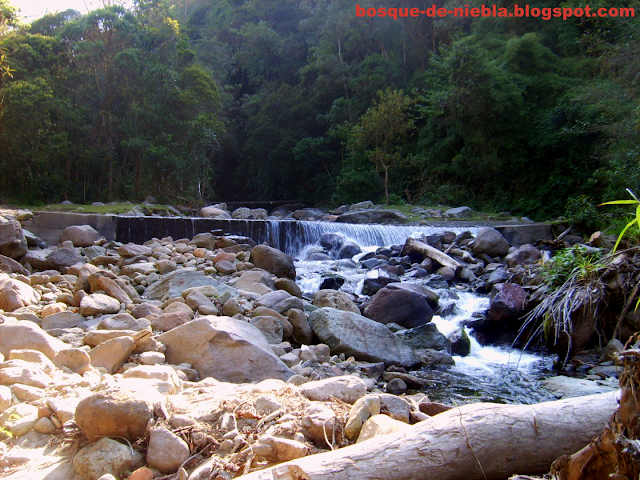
x=197, y=101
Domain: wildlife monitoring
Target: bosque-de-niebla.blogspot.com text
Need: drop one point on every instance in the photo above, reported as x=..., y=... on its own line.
x=517, y=11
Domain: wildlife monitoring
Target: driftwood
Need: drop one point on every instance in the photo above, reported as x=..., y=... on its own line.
x=615, y=453
x=472, y=442
x=413, y=245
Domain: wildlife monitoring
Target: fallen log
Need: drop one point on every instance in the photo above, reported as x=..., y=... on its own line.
x=473, y=442
x=415, y=246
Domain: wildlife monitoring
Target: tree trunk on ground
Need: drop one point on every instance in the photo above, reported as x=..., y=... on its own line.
x=473, y=442
x=615, y=454
x=413, y=245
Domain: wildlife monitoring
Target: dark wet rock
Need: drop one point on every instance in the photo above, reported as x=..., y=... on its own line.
x=508, y=301
x=403, y=307
x=424, y=337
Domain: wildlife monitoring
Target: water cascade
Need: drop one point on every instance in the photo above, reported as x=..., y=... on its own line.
x=289, y=236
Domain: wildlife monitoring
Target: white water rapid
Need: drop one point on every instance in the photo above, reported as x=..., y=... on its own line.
x=488, y=373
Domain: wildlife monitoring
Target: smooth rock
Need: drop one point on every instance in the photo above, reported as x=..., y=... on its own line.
x=346, y=388
x=225, y=349
x=365, y=339
x=364, y=408
x=166, y=451
x=112, y=353
x=320, y=423
x=62, y=320
x=491, y=242
x=280, y=301
x=380, y=425
x=97, y=303
x=80, y=235
x=75, y=359
x=27, y=335
x=114, y=413
x=274, y=261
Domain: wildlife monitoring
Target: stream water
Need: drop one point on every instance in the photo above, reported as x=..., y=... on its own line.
x=488, y=373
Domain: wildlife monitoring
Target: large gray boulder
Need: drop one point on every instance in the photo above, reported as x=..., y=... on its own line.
x=334, y=299
x=64, y=257
x=224, y=348
x=365, y=339
x=80, y=235
x=13, y=243
x=273, y=261
x=406, y=308
x=174, y=283
x=374, y=215
x=490, y=241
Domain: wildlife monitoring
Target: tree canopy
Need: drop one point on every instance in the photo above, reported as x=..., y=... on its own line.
x=283, y=100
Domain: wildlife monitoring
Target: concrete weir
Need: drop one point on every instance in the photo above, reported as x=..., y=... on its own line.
x=288, y=236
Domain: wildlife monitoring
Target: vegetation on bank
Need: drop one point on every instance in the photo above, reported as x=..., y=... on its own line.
x=245, y=100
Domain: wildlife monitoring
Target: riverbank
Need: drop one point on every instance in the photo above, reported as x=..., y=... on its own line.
x=132, y=317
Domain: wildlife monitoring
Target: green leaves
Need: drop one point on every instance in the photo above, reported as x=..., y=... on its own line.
x=635, y=221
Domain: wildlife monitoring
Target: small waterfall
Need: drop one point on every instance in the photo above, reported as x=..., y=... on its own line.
x=308, y=233
x=289, y=236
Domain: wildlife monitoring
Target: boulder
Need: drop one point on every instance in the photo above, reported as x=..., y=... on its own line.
x=289, y=286
x=349, y=249
x=132, y=250
x=166, y=451
x=346, y=388
x=424, y=337
x=105, y=458
x=114, y=413
x=122, y=321
x=28, y=335
x=270, y=327
x=302, y=332
x=62, y=320
x=98, y=303
x=524, y=255
x=430, y=296
x=458, y=212
x=279, y=301
x=365, y=339
x=366, y=205
x=25, y=373
x=319, y=421
x=491, y=242
x=273, y=260
x=15, y=294
x=404, y=307
x=373, y=215
x=11, y=266
x=64, y=258
x=111, y=354
x=334, y=299
x=19, y=419
x=174, y=283
x=75, y=359
x=13, y=243
x=379, y=425
x=225, y=349
x=80, y=235
x=214, y=212
x=256, y=281
x=508, y=301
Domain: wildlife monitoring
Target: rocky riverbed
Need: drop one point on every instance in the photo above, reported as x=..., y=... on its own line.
x=203, y=358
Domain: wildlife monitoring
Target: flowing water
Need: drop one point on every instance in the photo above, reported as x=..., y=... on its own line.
x=488, y=373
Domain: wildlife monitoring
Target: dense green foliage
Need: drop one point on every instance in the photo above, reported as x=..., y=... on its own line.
x=282, y=99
